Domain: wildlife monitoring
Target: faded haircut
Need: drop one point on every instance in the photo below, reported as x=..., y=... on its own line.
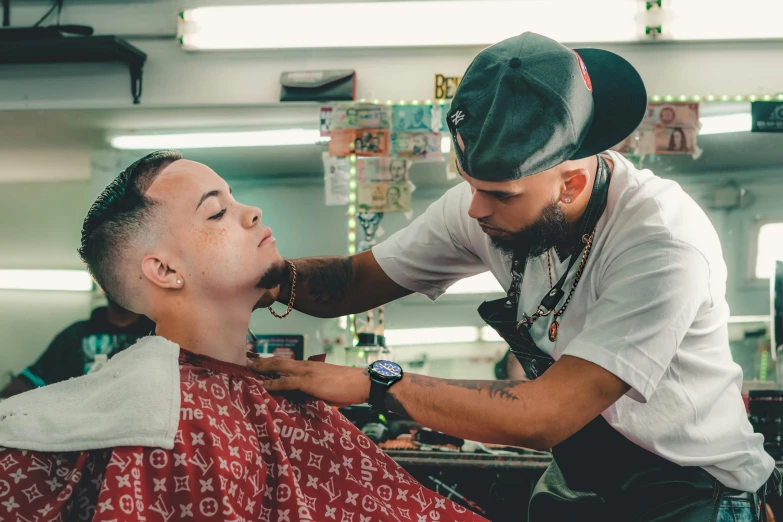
x=119, y=220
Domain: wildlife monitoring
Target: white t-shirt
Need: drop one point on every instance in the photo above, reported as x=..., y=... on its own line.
x=650, y=308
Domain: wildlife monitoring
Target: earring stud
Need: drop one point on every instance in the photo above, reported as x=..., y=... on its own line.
x=567, y=200
x=179, y=281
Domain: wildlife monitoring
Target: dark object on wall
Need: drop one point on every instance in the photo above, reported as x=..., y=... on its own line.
x=766, y=416
x=337, y=85
x=42, y=45
x=776, y=298
x=281, y=345
x=767, y=116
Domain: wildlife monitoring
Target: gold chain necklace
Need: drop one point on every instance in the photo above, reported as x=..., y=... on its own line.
x=292, y=299
x=555, y=326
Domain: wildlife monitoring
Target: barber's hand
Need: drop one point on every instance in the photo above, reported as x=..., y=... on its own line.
x=334, y=384
x=268, y=299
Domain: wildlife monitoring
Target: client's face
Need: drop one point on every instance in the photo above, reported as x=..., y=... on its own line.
x=217, y=244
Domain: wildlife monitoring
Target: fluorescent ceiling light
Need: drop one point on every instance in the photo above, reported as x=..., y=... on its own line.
x=53, y=280
x=725, y=124
x=415, y=336
x=711, y=20
x=206, y=140
x=479, y=284
x=397, y=24
x=455, y=334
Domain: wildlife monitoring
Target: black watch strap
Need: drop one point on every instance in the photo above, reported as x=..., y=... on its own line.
x=378, y=393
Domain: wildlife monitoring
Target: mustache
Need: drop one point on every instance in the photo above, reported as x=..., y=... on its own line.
x=273, y=276
x=486, y=225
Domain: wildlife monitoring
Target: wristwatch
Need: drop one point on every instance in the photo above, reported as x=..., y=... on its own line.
x=382, y=375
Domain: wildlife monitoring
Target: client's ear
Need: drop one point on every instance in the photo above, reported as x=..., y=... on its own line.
x=160, y=273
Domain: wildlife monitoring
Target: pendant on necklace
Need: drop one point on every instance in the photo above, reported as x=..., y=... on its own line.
x=553, y=331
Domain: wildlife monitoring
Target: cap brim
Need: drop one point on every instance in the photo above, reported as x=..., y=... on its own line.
x=619, y=98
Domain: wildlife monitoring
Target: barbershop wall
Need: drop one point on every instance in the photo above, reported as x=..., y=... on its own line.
x=738, y=230
x=39, y=228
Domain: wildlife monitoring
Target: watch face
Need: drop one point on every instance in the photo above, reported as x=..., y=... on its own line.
x=387, y=368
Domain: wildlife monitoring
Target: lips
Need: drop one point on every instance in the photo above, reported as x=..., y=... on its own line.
x=266, y=238
x=492, y=232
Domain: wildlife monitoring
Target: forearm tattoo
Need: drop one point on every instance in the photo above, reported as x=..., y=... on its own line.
x=495, y=389
x=326, y=279
x=500, y=389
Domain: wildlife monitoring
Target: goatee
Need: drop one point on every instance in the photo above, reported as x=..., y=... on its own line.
x=549, y=230
x=274, y=275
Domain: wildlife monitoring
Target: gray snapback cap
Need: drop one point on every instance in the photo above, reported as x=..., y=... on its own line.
x=528, y=104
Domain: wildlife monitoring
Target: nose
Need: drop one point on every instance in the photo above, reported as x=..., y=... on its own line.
x=479, y=206
x=252, y=217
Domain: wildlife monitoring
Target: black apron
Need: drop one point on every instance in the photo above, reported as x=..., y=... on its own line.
x=597, y=473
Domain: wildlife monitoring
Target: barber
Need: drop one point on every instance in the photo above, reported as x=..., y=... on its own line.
x=615, y=307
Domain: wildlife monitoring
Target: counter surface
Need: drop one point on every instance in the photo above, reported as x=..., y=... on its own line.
x=530, y=460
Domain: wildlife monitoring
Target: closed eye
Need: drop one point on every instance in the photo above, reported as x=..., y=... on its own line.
x=218, y=215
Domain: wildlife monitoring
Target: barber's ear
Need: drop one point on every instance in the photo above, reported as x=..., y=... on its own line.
x=160, y=273
x=574, y=183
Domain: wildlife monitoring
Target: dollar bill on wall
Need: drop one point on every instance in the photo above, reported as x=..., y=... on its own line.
x=325, y=120
x=412, y=118
x=675, y=140
x=384, y=197
x=353, y=117
x=382, y=170
x=684, y=114
x=417, y=146
x=362, y=142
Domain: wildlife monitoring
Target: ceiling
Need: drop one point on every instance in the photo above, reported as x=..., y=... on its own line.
x=90, y=128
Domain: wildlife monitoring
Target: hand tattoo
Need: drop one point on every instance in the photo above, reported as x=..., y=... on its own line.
x=328, y=279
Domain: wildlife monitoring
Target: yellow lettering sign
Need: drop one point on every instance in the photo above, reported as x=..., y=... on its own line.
x=446, y=86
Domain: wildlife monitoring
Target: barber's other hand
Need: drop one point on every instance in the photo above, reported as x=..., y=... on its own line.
x=334, y=384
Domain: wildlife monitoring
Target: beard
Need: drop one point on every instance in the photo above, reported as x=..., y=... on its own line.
x=273, y=276
x=550, y=229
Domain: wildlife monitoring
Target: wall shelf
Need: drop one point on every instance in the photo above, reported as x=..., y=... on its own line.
x=77, y=49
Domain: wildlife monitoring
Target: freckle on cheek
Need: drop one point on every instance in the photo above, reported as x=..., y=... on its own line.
x=210, y=238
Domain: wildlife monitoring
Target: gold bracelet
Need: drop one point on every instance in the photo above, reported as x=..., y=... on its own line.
x=293, y=293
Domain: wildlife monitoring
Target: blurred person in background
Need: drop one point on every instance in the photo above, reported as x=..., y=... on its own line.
x=109, y=330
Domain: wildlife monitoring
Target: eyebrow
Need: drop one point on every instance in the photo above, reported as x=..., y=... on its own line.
x=494, y=193
x=210, y=194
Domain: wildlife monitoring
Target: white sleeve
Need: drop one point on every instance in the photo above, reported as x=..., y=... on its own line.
x=647, y=301
x=434, y=251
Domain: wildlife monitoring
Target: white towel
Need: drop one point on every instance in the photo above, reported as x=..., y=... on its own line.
x=134, y=400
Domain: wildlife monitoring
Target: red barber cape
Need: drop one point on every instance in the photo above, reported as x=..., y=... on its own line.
x=239, y=454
